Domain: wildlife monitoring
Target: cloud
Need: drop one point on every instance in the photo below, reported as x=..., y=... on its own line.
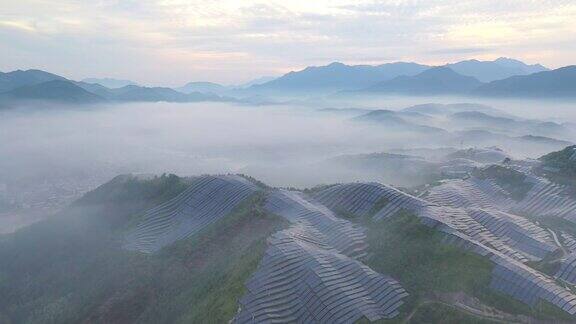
x=461, y=50
x=175, y=41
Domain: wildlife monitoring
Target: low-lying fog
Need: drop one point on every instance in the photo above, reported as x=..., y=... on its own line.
x=181, y=138
x=51, y=155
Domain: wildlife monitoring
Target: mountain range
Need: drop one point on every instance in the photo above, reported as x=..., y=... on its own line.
x=503, y=77
x=466, y=78
x=110, y=82
x=501, y=68
x=37, y=85
x=556, y=83
x=559, y=83
x=19, y=78
x=436, y=80
x=53, y=90
x=203, y=87
x=337, y=76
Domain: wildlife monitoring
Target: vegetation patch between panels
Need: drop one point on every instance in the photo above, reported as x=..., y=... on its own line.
x=425, y=265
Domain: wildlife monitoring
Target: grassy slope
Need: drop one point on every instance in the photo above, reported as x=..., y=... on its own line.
x=561, y=160
x=71, y=269
x=416, y=256
x=566, y=167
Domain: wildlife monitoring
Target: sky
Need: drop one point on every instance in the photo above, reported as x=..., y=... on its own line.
x=171, y=42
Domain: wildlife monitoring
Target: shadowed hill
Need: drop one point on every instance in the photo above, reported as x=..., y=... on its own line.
x=203, y=87
x=398, y=121
x=109, y=82
x=136, y=93
x=559, y=83
x=560, y=166
x=338, y=76
x=438, y=80
x=55, y=90
x=43, y=86
x=19, y=78
x=501, y=68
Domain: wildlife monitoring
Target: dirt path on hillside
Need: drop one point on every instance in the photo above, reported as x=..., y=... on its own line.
x=475, y=307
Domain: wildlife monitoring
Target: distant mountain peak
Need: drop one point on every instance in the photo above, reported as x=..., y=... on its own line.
x=19, y=78
x=53, y=90
x=203, y=87
x=507, y=60
x=554, y=84
x=439, y=71
x=202, y=83
x=501, y=68
x=436, y=80
x=257, y=81
x=338, y=76
x=110, y=82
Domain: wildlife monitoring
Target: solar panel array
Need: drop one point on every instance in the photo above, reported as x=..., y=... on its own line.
x=510, y=234
x=547, y=199
x=340, y=234
x=361, y=198
x=311, y=272
x=516, y=232
x=568, y=241
x=529, y=286
x=469, y=219
x=468, y=193
x=543, y=199
x=567, y=271
x=205, y=201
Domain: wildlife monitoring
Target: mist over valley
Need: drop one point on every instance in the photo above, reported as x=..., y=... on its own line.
x=287, y=162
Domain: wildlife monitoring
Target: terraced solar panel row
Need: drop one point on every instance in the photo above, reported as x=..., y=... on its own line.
x=467, y=194
x=508, y=240
x=568, y=241
x=517, y=280
x=205, y=201
x=361, y=198
x=514, y=278
x=510, y=234
x=516, y=232
x=547, y=199
x=310, y=273
x=340, y=234
x=529, y=286
x=543, y=199
x=567, y=271
x=302, y=282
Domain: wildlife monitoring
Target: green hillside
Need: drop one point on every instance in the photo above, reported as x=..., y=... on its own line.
x=437, y=274
x=71, y=268
x=560, y=166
